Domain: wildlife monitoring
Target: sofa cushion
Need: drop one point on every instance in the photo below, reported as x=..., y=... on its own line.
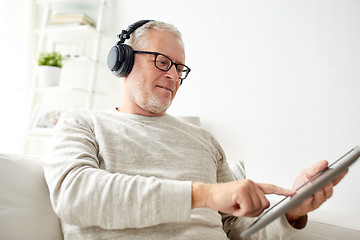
x=25, y=208
x=238, y=169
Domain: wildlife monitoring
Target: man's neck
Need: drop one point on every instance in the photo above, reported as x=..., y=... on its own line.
x=138, y=111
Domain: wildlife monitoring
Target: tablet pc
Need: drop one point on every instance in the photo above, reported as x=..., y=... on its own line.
x=318, y=182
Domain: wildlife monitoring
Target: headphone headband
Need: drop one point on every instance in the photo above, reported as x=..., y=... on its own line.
x=125, y=34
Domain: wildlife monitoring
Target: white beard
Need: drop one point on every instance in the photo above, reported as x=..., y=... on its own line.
x=147, y=100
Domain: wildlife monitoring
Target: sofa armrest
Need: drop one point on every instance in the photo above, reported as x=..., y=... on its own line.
x=25, y=208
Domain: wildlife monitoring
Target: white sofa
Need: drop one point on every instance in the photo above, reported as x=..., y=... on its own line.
x=25, y=209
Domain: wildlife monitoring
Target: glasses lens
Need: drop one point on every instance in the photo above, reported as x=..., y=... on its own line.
x=182, y=71
x=162, y=62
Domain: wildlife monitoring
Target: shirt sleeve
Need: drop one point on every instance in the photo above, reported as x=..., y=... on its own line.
x=233, y=226
x=82, y=194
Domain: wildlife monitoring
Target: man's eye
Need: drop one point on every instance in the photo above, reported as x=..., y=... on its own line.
x=163, y=63
x=180, y=68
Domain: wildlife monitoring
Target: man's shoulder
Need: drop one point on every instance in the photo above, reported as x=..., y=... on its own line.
x=85, y=113
x=83, y=116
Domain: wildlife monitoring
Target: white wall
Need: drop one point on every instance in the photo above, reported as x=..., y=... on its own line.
x=16, y=52
x=277, y=82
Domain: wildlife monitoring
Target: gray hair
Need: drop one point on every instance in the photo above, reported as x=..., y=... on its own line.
x=138, y=37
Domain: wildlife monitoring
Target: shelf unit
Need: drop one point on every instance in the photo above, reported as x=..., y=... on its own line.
x=87, y=40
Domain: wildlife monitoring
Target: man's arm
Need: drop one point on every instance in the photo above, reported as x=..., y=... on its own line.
x=83, y=194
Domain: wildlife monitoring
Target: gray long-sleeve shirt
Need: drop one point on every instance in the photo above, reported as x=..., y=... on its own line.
x=113, y=175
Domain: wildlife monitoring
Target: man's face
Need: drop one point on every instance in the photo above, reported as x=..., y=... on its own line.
x=148, y=90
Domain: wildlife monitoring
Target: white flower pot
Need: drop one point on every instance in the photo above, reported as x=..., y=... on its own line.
x=48, y=76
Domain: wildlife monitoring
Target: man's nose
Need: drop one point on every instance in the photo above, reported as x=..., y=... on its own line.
x=172, y=73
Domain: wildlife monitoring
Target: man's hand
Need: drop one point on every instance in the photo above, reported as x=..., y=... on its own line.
x=318, y=198
x=240, y=198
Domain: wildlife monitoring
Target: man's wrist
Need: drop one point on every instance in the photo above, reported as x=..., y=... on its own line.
x=199, y=195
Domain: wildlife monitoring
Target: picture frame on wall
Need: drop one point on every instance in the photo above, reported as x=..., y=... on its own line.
x=45, y=118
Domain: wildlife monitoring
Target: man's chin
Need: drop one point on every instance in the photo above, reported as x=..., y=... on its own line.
x=157, y=108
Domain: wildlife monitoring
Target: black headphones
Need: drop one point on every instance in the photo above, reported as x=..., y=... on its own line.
x=120, y=59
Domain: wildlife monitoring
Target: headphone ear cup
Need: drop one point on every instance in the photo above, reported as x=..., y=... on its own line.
x=114, y=58
x=121, y=60
x=128, y=62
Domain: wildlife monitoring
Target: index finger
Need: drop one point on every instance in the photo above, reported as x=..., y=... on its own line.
x=273, y=189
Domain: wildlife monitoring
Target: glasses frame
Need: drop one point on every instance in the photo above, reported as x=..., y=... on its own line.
x=156, y=54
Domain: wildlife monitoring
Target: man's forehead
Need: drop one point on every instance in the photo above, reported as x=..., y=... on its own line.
x=166, y=43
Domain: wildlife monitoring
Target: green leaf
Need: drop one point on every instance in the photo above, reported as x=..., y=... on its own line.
x=50, y=59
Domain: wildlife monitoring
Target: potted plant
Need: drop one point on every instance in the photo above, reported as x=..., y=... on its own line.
x=49, y=69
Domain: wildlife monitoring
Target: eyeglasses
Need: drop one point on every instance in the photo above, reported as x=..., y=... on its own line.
x=164, y=63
